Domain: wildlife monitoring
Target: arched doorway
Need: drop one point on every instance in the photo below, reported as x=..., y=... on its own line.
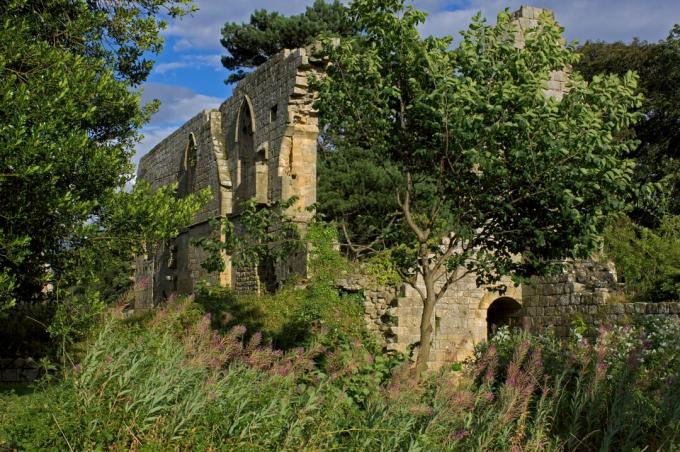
x=504, y=311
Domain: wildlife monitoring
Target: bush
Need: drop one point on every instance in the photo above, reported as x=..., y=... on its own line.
x=168, y=381
x=647, y=260
x=172, y=382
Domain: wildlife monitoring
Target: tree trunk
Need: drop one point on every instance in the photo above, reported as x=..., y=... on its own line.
x=426, y=326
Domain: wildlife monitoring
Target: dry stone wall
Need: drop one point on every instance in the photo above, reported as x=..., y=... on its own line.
x=590, y=293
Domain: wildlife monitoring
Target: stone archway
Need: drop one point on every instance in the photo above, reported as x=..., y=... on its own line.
x=504, y=311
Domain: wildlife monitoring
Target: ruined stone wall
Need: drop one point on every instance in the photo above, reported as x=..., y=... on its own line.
x=526, y=18
x=271, y=133
x=590, y=292
x=270, y=114
x=193, y=158
x=260, y=143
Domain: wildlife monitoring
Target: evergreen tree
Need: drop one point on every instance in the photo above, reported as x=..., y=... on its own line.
x=251, y=44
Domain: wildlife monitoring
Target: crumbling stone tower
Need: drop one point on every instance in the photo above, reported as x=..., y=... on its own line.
x=260, y=143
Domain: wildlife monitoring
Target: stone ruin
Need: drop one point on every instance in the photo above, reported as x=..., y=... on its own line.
x=261, y=143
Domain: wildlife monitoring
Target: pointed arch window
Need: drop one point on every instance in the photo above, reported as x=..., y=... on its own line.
x=187, y=172
x=252, y=174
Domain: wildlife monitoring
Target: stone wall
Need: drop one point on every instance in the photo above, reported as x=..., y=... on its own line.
x=260, y=143
x=588, y=291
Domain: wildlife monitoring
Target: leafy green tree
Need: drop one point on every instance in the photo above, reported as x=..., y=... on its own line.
x=492, y=168
x=647, y=260
x=97, y=270
x=68, y=123
x=261, y=236
x=657, y=157
x=251, y=44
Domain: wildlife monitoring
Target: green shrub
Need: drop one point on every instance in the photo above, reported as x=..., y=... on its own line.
x=647, y=260
x=168, y=381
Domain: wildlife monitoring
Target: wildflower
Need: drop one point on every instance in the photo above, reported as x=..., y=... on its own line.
x=460, y=435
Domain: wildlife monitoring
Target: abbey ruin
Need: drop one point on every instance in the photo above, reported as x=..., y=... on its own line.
x=261, y=143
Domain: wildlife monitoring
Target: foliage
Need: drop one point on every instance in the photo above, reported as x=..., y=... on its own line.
x=69, y=122
x=290, y=316
x=616, y=393
x=251, y=44
x=368, y=204
x=259, y=234
x=658, y=65
x=169, y=381
x=493, y=168
x=647, y=260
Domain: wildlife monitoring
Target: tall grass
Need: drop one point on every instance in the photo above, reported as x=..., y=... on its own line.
x=172, y=382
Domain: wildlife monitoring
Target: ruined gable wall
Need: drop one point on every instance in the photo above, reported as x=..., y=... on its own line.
x=178, y=266
x=270, y=131
x=285, y=129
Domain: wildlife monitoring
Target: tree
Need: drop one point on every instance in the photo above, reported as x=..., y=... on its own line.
x=262, y=237
x=658, y=65
x=69, y=123
x=492, y=168
x=251, y=44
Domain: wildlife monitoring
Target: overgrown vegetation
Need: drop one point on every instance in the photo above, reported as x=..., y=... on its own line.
x=490, y=166
x=170, y=381
x=466, y=140
x=647, y=260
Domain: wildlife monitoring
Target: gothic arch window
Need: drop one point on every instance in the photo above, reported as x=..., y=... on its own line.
x=187, y=172
x=251, y=171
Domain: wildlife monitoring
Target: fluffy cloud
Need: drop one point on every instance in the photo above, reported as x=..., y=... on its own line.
x=178, y=104
x=608, y=20
x=202, y=29
x=583, y=19
x=212, y=61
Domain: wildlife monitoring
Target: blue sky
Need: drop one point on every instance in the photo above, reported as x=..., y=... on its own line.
x=188, y=76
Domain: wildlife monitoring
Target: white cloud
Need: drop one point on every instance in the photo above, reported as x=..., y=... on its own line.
x=178, y=104
x=212, y=61
x=608, y=20
x=202, y=29
x=583, y=19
